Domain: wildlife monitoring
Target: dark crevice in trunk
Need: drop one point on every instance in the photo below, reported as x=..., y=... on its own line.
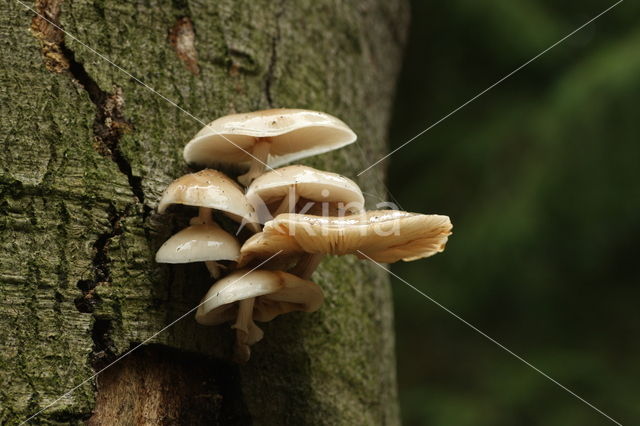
x=109, y=124
x=270, y=77
x=108, y=128
x=213, y=393
x=102, y=346
x=270, y=72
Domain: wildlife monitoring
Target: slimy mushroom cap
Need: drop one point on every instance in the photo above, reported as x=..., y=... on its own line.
x=292, y=133
x=275, y=293
x=210, y=189
x=385, y=236
x=262, y=246
x=199, y=243
x=308, y=183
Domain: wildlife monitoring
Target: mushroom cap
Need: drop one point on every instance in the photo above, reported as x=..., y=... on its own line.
x=263, y=246
x=211, y=189
x=276, y=293
x=294, y=134
x=385, y=236
x=309, y=183
x=199, y=243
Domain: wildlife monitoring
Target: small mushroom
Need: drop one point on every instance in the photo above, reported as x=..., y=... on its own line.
x=245, y=296
x=385, y=236
x=210, y=190
x=206, y=243
x=281, y=189
x=273, y=137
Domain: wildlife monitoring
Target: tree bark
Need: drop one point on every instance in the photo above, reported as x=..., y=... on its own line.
x=87, y=151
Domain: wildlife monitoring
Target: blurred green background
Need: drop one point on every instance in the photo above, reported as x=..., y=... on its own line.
x=541, y=177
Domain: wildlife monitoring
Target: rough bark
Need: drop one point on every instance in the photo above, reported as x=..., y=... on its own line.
x=86, y=153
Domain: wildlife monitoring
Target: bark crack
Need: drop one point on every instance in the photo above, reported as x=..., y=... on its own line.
x=271, y=69
x=101, y=273
x=108, y=128
x=103, y=347
x=109, y=124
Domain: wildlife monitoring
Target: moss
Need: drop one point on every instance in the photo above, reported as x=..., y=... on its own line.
x=75, y=226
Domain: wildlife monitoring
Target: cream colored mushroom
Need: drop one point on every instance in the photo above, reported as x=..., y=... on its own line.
x=206, y=243
x=280, y=190
x=270, y=137
x=384, y=236
x=245, y=296
x=260, y=248
x=210, y=190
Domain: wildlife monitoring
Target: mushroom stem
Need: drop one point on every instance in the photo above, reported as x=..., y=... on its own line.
x=204, y=217
x=288, y=204
x=214, y=268
x=307, y=265
x=247, y=333
x=260, y=155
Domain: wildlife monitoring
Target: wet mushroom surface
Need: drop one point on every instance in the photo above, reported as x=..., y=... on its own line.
x=385, y=236
x=292, y=188
x=245, y=296
x=267, y=138
x=205, y=242
x=210, y=190
x=307, y=214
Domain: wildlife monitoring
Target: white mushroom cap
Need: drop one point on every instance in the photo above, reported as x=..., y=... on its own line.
x=293, y=134
x=309, y=183
x=385, y=236
x=261, y=247
x=210, y=189
x=199, y=243
x=275, y=293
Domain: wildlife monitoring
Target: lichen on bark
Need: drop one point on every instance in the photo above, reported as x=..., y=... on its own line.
x=87, y=151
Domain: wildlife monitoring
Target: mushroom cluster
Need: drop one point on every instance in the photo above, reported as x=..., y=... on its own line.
x=297, y=215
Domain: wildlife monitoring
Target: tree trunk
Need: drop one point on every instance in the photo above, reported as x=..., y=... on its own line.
x=87, y=151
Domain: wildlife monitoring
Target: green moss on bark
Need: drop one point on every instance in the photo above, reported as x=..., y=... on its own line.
x=78, y=225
